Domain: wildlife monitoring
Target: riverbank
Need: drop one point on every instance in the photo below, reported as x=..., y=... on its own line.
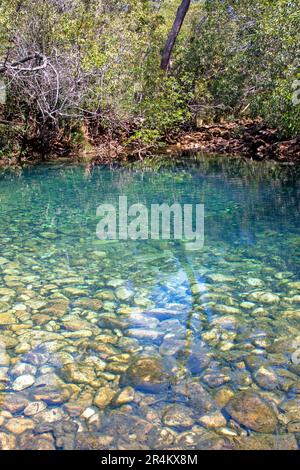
x=245, y=138
x=248, y=138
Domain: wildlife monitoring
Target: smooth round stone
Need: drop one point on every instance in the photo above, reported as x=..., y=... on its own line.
x=141, y=320
x=226, y=322
x=221, y=278
x=123, y=293
x=266, y=378
x=116, y=283
x=291, y=285
x=213, y=421
x=264, y=297
x=247, y=305
x=50, y=416
x=178, y=416
x=49, y=235
x=4, y=359
x=215, y=379
x=171, y=345
x=104, y=397
x=21, y=307
x=7, y=318
x=147, y=374
x=227, y=309
x=254, y=282
x=252, y=411
x=19, y=425
x=7, y=441
x=141, y=333
x=23, y=382
x=99, y=254
x=23, y=369
x=5, y=292
x=13, y=402
x=34, y=408
x=125, y=396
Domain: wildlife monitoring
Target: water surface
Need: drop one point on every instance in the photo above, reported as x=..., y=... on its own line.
x=145, y=344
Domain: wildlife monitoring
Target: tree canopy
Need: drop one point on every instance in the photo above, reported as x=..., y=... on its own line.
x=69, y=62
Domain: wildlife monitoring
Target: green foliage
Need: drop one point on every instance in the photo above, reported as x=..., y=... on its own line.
x=231, y=60
x=244, y=57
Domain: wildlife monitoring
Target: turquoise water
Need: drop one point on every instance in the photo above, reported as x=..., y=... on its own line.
x=146, y=344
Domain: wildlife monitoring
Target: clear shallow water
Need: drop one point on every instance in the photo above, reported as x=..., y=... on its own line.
x=143, y=344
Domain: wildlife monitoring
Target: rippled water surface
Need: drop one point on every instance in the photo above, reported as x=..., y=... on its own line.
x=145, y=344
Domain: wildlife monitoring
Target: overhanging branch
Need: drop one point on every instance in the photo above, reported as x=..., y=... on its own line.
x=15, y=65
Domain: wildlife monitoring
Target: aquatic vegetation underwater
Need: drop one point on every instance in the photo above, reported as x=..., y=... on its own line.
x=145, y=344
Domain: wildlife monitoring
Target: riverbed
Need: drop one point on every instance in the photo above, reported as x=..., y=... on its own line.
x=150, y=344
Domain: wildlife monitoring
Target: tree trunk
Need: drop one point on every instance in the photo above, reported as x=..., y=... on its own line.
x=180, y=16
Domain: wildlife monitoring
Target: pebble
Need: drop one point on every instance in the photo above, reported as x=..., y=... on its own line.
x=178, y=416
x=23, y=382
x=22, y=369
x=12, y=402
x=147, y=374
x=266, y=378
x=19, y=425
x=252, y=411
x=104, y=397
x=213, y=421
x=34, y=408
x=126, y=395
x=123, y=293
x=7, y=441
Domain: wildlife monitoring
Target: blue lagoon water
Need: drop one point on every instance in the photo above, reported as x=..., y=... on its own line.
x=145, y=344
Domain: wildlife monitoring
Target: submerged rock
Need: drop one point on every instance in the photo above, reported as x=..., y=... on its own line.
x=266, y=442
x=123, y=293
x=19, y=425
x=213, y=421
x=266, y=378
x=147, y=374
x=7, y=318
x=23, y=382
x=225, y=322
x=126, y=395
x=197, y=362
x=223, y=396
x=253, y=412
x=23, y=369
x=221, y=278
x=171, y=345
x=34, y=408
x=13, y=402
x=198, y=398
x=7, y=441
x=104, y=397
x=264, y=297
x=215, y=379
x=178, y=416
